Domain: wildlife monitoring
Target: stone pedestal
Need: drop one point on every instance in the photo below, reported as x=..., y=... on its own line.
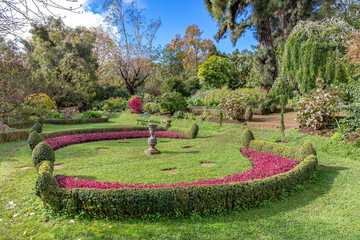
x=152, y=141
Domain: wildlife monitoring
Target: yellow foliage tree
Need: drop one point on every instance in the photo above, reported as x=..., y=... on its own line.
x=193, y=49
x=40, y=104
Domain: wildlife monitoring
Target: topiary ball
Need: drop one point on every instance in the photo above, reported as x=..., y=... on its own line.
x=34, y=139
x=37, y=127
x=246, y=137
x=262, y=109
x=248, y=114
x=42, y=152
x=193, y=131
x=273, y=107
x=306, y=150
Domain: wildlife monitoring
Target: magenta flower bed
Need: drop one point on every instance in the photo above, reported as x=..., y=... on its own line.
x=264, y=165
x=68, y=140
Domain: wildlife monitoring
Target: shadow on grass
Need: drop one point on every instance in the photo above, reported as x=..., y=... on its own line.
x=84, y=177
x=188, y=152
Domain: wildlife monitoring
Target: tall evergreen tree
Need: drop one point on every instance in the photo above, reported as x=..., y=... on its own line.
x=273, y=20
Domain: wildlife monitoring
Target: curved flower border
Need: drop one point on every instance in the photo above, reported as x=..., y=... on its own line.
x=63, y=141
x=264, y=165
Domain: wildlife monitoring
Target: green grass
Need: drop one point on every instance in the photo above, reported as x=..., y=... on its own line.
x=326, y=208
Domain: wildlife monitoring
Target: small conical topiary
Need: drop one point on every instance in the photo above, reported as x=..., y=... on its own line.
x=37, y=127
x=248, y=114
x=193, y=131
x=306, y=150
x=246, y=137
x=42, y=152
x=34, y=139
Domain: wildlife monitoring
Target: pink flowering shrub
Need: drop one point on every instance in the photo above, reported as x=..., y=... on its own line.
x=264, y=165
x=135, y=105
x=68, y=140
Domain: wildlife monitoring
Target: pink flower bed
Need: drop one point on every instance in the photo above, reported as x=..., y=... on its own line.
x=64, y=141
x=264, y=165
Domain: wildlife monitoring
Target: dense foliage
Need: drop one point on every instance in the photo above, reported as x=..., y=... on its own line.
x=318, y=108
x=314, y=50
x=234, y=106
x=172, y=102
x=217, y=72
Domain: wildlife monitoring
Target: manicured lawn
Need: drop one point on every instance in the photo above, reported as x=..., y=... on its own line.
x=326, y=208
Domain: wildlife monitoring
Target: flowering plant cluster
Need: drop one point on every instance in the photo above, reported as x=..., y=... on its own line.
x=135, y=105
x=68, y=140
x=234, y=106
x=264, y=165
x=172, y=102
x=316, y=109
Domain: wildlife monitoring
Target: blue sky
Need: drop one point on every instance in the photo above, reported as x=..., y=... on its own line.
x=176, y=15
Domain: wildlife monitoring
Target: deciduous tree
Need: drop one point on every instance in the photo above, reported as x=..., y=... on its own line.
x=134, y=52
x=192, y=48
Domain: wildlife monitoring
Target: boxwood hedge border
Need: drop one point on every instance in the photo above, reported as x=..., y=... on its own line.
x=203, y=199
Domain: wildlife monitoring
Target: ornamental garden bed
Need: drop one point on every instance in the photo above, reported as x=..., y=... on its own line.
x=270, y=176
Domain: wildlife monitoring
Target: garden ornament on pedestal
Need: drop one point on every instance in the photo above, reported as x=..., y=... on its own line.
x=152, y=141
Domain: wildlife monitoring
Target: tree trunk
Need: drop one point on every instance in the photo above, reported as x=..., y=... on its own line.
x=268, y=59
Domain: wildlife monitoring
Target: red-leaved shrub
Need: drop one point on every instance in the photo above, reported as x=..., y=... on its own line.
x=264, y=165
x=135, y=105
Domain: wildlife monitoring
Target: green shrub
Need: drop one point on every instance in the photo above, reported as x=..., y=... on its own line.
x=172, y=102
x=246, y=137
x=262, y=109
x=181, y=131
x=112, y=105
x=147, y=107
x=88, y=114
x=42, y=152
x=37, y=127
x=193, y=131
x=178, y=115
x=306, y=150
x=234, y=106
x=248, y=114
x=54, y=115
x=34, y=139
x=155, y=107
x=316, y=109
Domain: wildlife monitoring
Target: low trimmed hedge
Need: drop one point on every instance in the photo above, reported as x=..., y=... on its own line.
x=191, y=133
x=23, y=134
x=20, y=125
x=117, y=203
x=76, y=121
x=14, y=136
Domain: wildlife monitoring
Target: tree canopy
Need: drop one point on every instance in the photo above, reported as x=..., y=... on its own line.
x=63, y=61
x=315, y=50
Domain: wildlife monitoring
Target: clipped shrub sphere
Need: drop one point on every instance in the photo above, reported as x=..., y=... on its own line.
x=37, y=127
x=306, y=150
x=34, y=139
x=248, y=114
x=42, y=152
x=246, y=137
x=193, y=131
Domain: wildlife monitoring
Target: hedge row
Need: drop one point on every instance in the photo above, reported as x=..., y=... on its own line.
x=96, y=130
x=20, y=125
x=191, y=133
x=23, y=134
x=76, y=121
x=13, y=136
x=116, y=203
